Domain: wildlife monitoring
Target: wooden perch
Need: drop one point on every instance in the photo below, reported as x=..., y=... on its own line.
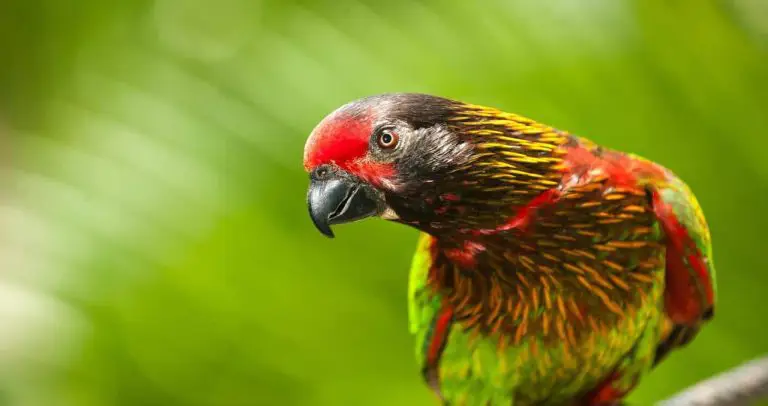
x=741, y=386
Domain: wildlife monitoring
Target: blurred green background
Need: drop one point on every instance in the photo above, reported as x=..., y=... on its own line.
x=154, y=243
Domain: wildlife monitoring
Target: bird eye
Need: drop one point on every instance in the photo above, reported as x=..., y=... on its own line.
x=387, y=139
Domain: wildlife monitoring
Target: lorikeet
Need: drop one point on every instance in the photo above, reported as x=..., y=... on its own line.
x=549, y=271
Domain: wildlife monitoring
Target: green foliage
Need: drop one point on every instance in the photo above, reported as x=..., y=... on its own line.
x=153, y=220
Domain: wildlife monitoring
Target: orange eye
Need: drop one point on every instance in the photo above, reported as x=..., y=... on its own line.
x=387, y=139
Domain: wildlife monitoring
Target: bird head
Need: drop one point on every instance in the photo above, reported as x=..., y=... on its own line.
x=436, y=164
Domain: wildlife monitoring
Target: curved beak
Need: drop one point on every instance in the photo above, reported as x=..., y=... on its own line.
x=339, y=199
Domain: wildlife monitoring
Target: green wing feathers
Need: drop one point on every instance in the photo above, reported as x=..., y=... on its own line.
x=690, y=287
x=422, y=306
x=690, y=273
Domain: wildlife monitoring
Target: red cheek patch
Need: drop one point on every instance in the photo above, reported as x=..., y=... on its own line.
x=340, y=140
x=343, y=141
x=371, y=172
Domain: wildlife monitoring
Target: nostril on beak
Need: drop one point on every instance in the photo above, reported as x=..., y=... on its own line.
x=321, y=172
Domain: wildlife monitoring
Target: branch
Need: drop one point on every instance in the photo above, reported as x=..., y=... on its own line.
x=740, y=386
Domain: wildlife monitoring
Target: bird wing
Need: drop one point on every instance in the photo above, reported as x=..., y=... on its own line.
x=689, y=295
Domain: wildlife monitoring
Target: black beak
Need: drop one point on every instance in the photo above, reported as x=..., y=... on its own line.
x=339, y=199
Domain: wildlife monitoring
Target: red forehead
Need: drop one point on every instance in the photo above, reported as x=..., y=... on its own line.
x=340, y=139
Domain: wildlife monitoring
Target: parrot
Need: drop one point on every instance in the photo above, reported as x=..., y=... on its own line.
x=549, y=270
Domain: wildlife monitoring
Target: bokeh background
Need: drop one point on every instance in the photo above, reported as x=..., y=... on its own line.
x=154, y=243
